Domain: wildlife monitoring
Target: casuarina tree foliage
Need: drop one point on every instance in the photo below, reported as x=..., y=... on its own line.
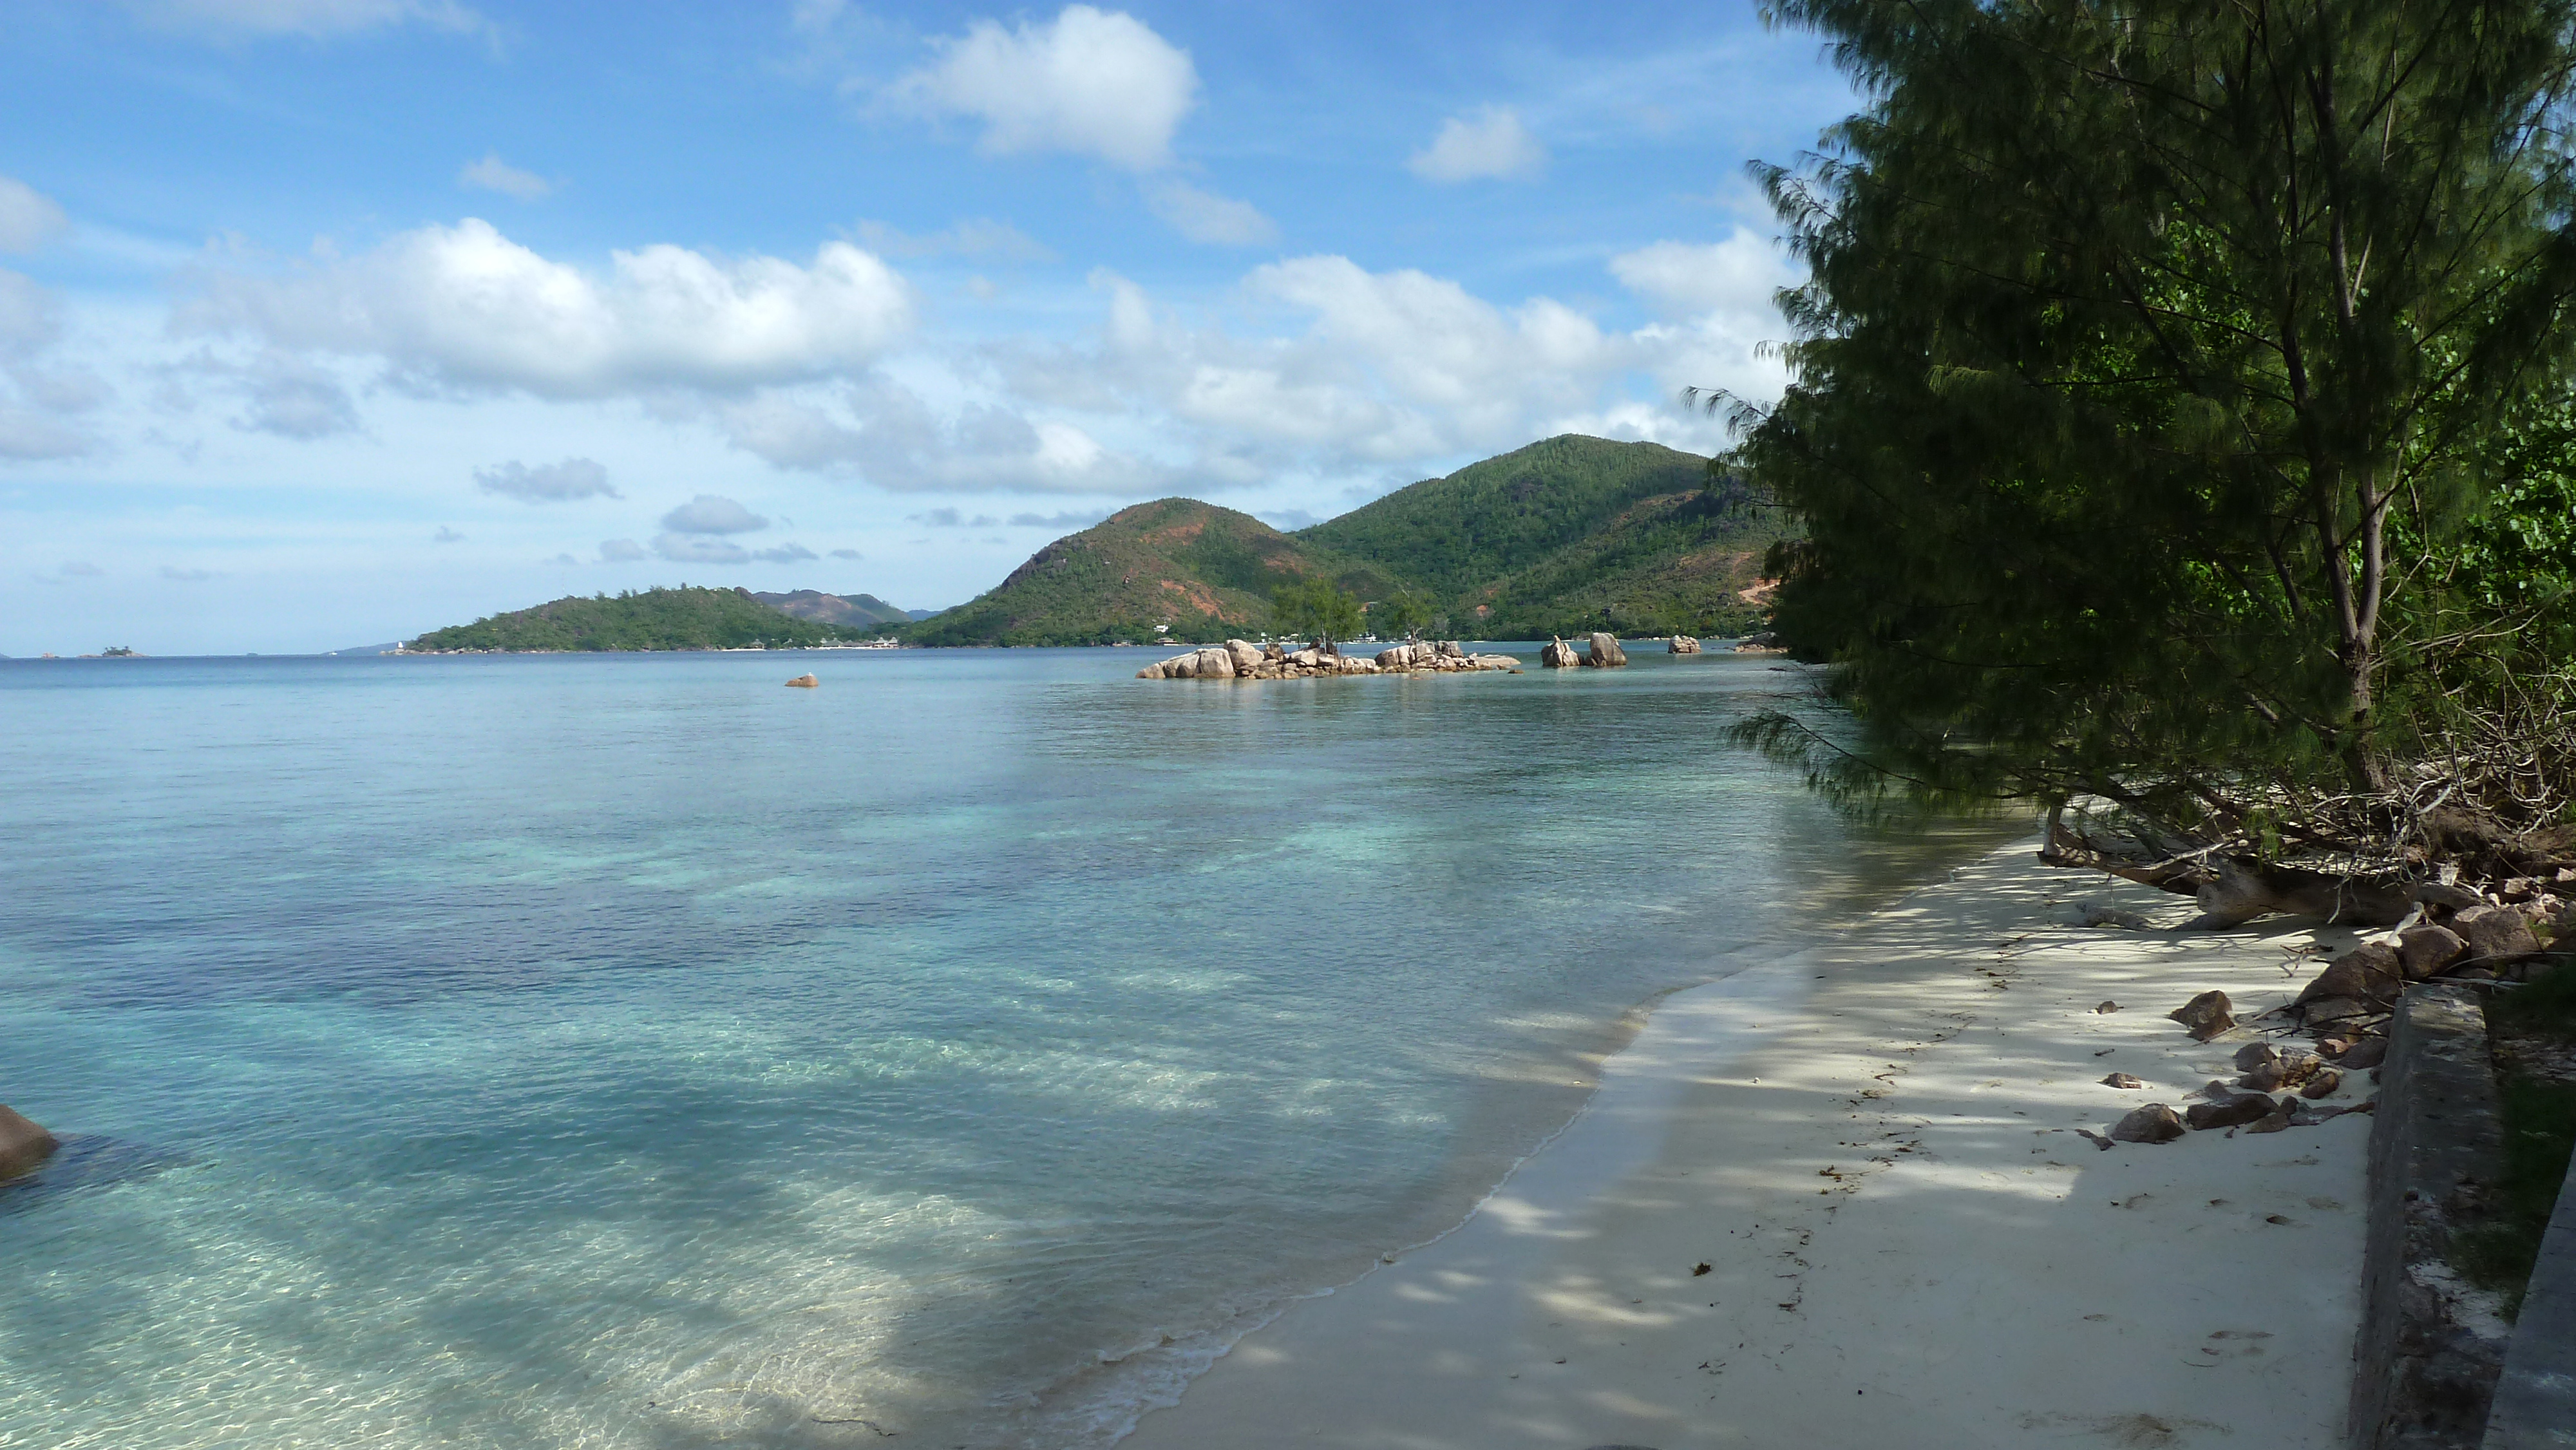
x=2180, y=410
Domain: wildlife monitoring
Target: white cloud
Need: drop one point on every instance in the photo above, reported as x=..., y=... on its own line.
x=691, y=549
x=1204, y=216
x=1089, y=82
x=547, y=483
x=620, y=551
x=28, y=217
x=37, y=406
x=974, y=237
x=314, y=18
x=466, y=308
x=889, y=436
x=1490, y=142
x=494, y=174
x=294, y=399
x=852, y=554
x=1738, y=275
x=1067, y=520
x=790, y=553
x=712, y=514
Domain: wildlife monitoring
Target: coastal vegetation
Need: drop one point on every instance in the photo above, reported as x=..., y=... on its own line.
x=2180, y=424
x=858, y=611
x=685, y=618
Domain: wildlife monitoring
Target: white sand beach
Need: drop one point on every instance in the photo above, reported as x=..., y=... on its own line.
x=1871, y=1147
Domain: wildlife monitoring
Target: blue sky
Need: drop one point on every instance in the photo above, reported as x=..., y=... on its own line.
x=330, y=321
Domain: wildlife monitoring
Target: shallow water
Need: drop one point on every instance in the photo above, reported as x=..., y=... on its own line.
x=628, y=1052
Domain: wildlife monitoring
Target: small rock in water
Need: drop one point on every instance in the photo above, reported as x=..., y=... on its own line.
x=23, y=1145
x=2122, y=1080
x=804, y=682
x=2205, y=1016
x=2154, y=1123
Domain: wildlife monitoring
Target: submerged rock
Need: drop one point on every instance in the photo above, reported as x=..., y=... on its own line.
x=804, y=682
x=23, y=1144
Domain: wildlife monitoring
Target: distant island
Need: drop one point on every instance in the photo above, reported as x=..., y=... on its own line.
x=1567, y=537
x=685, y=618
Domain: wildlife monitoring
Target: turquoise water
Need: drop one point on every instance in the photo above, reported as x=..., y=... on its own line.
x=628, y=1052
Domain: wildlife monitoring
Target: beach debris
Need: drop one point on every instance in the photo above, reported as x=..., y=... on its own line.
x=804, y=682
x=1700, y=1268
x=2096, y=1139
x=23, y=1144
x=2285, y=1070
x=2107, y=1008
x=2122, y=1080
x=2154, y=1123
x=2322, y=1085
x=2205, y=1016
x=2362, y=1055
x=1556, y=654
x=2102, y=913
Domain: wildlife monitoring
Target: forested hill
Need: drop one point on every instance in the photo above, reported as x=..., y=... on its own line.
x=656, y=619
x=1206, y=572
x=1562, y=537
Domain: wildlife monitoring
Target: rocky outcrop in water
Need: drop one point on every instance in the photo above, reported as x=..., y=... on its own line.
x=1238, y=660
x=1683, y=644
x=804, y=682
x=23, y=1145
x=1556, y=654
x=1605, y=653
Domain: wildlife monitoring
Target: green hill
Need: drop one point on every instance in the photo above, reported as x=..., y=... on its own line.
x=859, y=611
x=1562, y=537
x=657, y=619
x=1207, y=572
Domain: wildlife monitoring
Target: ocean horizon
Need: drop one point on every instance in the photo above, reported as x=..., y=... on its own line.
x=624, y=1051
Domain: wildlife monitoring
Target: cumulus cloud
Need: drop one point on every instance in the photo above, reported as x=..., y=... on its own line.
x=1489, y=142
x=946, y=518
x=620, y=551
x=713, y=514
x=312, y=18
x=1089, y=82
x=1066, y=520
x=42, y=399
x=1739, y=275
x=465, y=308
x=28, y=217
x=1204, y=216
x=974, y=237
x=548, y=483
x=294, y=399
x=845, y=554
x=696, y=549
x=885, y=433
x=783, y=554
x=494, y=174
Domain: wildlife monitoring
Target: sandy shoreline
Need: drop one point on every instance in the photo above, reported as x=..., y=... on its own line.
x=1870, y=1145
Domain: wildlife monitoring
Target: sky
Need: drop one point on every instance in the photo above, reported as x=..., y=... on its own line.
x=327, y=322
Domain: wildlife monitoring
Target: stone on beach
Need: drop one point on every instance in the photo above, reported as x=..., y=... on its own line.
x=2423, y=951
x=2206, y=1015
x=2496, y=933
x=2154, y=1123
x=2370, y=972
x=23, y=1145
x=2122, y=1080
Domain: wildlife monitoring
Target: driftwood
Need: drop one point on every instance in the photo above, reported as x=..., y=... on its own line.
x=2233, y=888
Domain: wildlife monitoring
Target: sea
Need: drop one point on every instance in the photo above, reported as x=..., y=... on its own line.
x=624, y=1051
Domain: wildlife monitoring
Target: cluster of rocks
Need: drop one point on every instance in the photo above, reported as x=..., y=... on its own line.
x=1239, y=660
x=2452, y=932
x=1683, y=644
x=1604, y=654
x=1762, y=642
